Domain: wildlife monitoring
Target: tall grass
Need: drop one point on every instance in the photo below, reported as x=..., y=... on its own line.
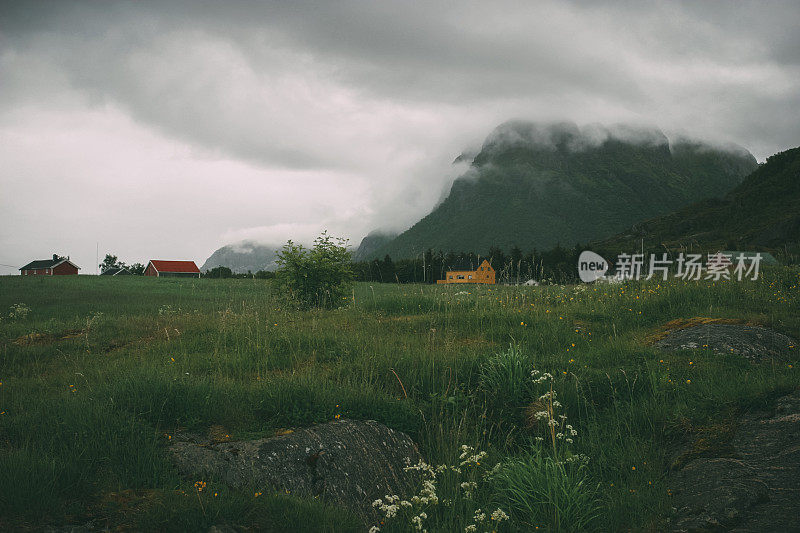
x=99, y=371
x=543, y=492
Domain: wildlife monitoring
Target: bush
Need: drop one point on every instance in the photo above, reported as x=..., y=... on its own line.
x=316, y=277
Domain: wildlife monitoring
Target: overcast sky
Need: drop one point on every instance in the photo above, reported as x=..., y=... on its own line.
x=164, y=130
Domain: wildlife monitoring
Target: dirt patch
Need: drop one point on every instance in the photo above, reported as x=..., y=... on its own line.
x=756, y=487
x=752, y=342
x=348, y=462
x=47, y=338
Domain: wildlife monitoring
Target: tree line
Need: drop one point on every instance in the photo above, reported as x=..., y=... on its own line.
x=557, y=265
x=223, y=272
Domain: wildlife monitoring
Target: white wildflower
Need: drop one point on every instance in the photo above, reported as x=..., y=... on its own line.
x=465, y=451
x=472, y=459
x=469, y=487
x=548, y=395
x=498, y=515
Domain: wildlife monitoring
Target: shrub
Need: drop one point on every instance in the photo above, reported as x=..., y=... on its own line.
x=316, y=277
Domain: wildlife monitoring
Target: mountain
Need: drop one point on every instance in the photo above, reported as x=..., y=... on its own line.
x=761, y=213
x=538, y=185
x=244, y=256
x=373, y=241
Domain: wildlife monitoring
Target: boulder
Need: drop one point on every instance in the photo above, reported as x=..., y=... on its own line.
x=349, y=462
x=756, y=488
x=753, y=342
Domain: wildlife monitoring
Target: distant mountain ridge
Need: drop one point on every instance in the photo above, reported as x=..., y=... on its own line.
x=244, y=256
x=373, y=241
x=537, y=185
x=763, y=212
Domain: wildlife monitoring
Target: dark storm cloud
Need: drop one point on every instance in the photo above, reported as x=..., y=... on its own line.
x=355, y=110
x=178, y=65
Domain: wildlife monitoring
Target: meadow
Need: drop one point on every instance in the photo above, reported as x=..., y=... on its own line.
x=97, y=373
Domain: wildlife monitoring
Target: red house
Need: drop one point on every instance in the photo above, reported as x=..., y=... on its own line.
x=173, y=269
x=57, y=266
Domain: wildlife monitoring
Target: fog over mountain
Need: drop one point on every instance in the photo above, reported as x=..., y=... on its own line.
x=538, y=185
x=244, y=256
x=168, y=129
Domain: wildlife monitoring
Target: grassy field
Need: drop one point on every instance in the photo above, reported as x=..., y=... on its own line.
x=96, y=373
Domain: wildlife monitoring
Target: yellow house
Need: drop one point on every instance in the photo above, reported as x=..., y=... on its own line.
x=483, y=274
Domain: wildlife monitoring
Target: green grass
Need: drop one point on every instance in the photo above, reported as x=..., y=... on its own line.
x=101, y=370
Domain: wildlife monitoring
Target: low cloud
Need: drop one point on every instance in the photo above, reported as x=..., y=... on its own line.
x=229, y=121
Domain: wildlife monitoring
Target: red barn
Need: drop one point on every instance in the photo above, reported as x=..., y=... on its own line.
x=174, y=269
x=57, y=266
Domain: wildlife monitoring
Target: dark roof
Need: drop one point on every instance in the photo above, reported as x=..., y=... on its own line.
x=42, y=263
x=48, y=263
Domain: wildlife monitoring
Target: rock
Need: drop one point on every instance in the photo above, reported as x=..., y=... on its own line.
x=753, y=342
x=714, y=493
x=756, y=490
x=348, y=462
